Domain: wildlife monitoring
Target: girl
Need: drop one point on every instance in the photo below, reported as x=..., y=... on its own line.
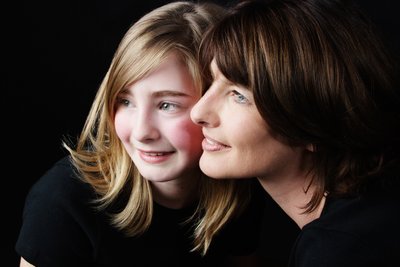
x=131, y=192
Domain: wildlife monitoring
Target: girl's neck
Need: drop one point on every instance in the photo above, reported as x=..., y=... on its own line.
x=177, y=193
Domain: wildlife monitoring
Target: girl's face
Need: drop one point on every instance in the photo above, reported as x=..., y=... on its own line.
x=237, y=141
x=152, y=120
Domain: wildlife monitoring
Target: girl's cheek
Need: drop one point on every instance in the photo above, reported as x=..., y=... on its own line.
x=122, y=127
x=188, y=135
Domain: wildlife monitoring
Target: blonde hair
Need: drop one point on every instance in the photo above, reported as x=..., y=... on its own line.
x=99, y=156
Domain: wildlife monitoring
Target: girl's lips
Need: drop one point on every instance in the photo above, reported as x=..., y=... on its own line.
x=211, y=145
x=154, y=157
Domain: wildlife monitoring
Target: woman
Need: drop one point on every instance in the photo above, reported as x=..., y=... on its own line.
x=131, y=191
x=303, y=97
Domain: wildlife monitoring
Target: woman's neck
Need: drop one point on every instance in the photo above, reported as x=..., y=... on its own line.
x=292, y=195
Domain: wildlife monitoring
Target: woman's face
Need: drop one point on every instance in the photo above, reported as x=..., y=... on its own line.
x=237, y=141
x=153, y=122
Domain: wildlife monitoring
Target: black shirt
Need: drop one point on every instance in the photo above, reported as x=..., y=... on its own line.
x=61, y=227
x=278, y=234
x=360, y=231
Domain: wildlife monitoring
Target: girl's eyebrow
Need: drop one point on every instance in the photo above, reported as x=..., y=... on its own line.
x=162, y=93
x=124, y=91
x=169, y=93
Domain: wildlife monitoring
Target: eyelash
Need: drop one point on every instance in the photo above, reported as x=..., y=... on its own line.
x=238, y=95
x=123, y=102
x=163, y=105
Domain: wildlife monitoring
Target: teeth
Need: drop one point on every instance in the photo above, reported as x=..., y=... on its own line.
x=154, y=154
x=210, y=142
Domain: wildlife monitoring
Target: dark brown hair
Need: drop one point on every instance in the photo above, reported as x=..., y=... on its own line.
x=320, y=75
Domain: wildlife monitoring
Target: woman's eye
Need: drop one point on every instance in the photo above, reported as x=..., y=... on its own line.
x=168, y=106
x=239, y=98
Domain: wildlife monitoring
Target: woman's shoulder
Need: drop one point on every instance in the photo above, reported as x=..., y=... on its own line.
x=354, y=228
x=359, y=212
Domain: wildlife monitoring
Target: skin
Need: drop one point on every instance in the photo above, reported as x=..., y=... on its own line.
x=237, y=138
x=24, y=263
x=153, y=122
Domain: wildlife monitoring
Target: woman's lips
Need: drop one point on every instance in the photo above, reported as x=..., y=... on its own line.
x=211, y=145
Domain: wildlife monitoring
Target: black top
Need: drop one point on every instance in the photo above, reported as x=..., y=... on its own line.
x=62, y=228
x=363, y=231
x=278, y=234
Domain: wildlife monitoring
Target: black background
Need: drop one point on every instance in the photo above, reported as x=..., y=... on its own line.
x=56, y=54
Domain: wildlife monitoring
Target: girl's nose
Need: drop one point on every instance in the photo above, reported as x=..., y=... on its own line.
x=145, y=129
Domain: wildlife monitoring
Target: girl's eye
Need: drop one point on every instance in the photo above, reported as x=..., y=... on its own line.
x=166, y=106
x=239, y=98
x=124, y=102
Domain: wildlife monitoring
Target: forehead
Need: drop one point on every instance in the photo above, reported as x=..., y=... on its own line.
x=214, y=67
x=171, y=76
x=216, y=73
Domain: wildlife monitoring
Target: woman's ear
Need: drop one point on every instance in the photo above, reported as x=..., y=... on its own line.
x=311, y=147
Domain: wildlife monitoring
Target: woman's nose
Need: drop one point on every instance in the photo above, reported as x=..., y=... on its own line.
x=204, y=112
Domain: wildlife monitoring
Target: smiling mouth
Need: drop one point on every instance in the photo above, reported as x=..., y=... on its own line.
x=155, y=154
x=153, y=157
x=212, y=146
